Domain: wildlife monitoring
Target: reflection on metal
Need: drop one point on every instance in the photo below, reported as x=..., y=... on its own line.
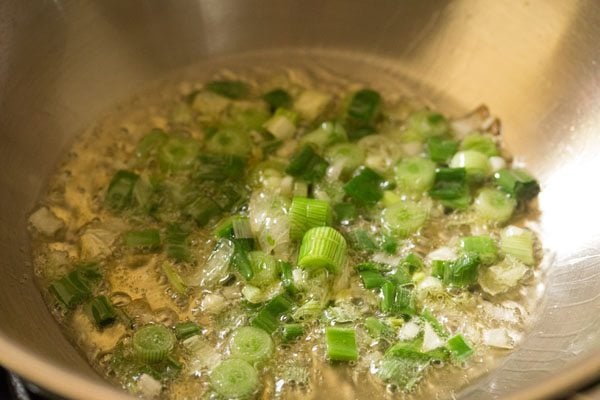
x=535, y=63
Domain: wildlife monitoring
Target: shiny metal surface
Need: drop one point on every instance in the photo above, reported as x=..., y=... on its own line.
x=536, y=63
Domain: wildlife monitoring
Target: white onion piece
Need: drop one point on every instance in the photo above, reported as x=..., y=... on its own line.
x=431, y=340
x=217, y=266
x=442, y=253
x=213, y=303
x=149, y=387
x=430, y=284
x=45, y=222
x=409, y=331
x=497, y=163
x=498, y=338
x=96, y=243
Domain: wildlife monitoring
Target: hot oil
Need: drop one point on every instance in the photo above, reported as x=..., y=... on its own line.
x=77, y=191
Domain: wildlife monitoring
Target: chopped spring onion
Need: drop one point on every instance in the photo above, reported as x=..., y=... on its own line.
x=178, y=153
x=483, y=246
x=234, y=379
x=264, y=269
x=76, y=286
x=475, y=163
x=306, y=214
x=241, y=228
x=502, y=277
x=363, y=240
x=440, y=150
x=202, y=210
x=187, y=329
x=372, y=279
x=348, y=155
x=240, y=261
x=376, y=328
x=345, y=213
x=229, y=141
x=415, y=175
x=307, y=164
x=341, y=344
x=397, y=300
x=291, y=332
x=153, y=343
x=517, y=183
x=149, y=144
x=390, y=198
x=459, y=347
x=412, y=262
x=428, y=123
x=215, y=167
x=451, y=188
x=176, y=243
x=494, y=206
x=147, y=238
x=277, y=98
x=322, y=247
x=404, y=218
x=463, y=271
x=287, y=276
x=365, y=186
x=435, y=324
x=231, y=89
x=481, y=143
x=120, y=190
x=269, y=316
x=326, y=134
x=175, y=280
x=251, y=344
x=282, y=124
x=518, y=242
x=310, y=104
x=308, y=311
x=363, y=111
x=103, y=311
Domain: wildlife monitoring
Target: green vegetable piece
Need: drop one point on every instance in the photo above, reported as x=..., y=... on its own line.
x=415, y=175
x=229, y=142
x=413, y=263
x=459, y=348
x=341, y=344
x=436, y=325
x=344, y=213
x=404, y=218
x=234, y=379
x=404, y=368
x=372, y=279
x=176, y=243
x=363, y=240
x=178, y=153
x=518, y=243
x=269, y=316
x=202, y=210
x=147, y=238
x=234, y=90
x=150, y=143
x=287, y=278
x=76, y=286
x=219, y=168
x=325, y=135
x=307, y=164
x=322, y=247
x=347, y=155
x=120, y=190
x=240, y=261
x=441, y=150
x=264, y=269
x=481, y=143
x=517, y=183
x=463, y=271
x=251, y=344
x=308, y=213
x=397, y=299
x=451, y=188
x=476, y=164
x=153, y=343
x=291, y=332
x=103, y=311
x=377, y=329
x=494, y=205
x=175, y=280
x=483, y=246
x=428, y=123
x=187, y=329
x=365, y=186
x=277, y=98
x=362, y=113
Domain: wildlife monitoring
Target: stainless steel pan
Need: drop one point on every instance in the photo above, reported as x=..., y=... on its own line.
x=536, y=63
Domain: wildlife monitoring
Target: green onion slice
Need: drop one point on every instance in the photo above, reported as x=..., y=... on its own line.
x=234, y=379
x=152, y=343
x=341, y=344
x=322, y=247
x=308, y=213
x=251, y=344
